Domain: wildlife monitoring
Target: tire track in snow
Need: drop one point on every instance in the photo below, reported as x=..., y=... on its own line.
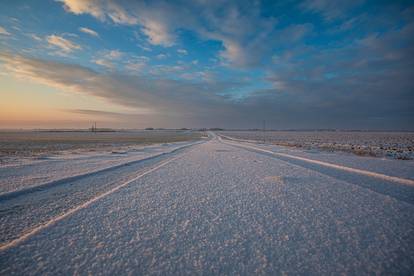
x=54, y=220
x=44, y=186
x=399, y=180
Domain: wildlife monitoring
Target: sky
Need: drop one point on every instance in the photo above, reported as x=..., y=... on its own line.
x=315, y=64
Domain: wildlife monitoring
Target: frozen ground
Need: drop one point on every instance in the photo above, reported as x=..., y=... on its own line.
x=21, y=147
x=395, y=145
x=61, y=167
x=217, y=207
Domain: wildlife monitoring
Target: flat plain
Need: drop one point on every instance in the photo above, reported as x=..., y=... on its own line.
x=211, y=205
x=398, y=145
x=32, y=145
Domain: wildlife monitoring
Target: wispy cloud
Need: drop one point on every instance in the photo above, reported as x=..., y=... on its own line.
x=109, y=59
x=115, y=54
x=182, y=51
x=64, y=44
x=88, y=31
x=330, y=9
x=105, y=63
x=98, y=112
x=36, y=37
x=3, y=31
x=161, y=56
x=135, y=66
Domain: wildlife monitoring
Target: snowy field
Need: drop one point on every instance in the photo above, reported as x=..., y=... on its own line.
x=29, y=146
x=207, y=206
x=30, y=159
x=396, y=145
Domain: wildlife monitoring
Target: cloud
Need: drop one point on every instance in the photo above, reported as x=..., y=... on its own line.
x=182, y=51
x=296, y=32
x=158, y=33
x=91, y=112
x=115, y=54
x=85, y=6
x=3, y=31
x=135, y=66
x=304, y=75
x=244, y=35
x=36, y=37
x=161, y=56
x=307, y=99
x=163, y=95
x=160, y=70
x=105, y=63
x=64, y=44
x=108, y=58
x=144, y=48
x=99, y=112
x=330, y=9
x=354, y=84
x=88, y=31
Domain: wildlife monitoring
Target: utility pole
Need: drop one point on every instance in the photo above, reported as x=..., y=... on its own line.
x=264, y=131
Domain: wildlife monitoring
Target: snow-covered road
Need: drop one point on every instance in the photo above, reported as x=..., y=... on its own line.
x=213, y=208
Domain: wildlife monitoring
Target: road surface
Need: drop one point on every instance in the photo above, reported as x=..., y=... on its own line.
x=217, y=207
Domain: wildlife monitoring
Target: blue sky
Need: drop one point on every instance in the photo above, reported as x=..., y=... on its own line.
x=295, y=64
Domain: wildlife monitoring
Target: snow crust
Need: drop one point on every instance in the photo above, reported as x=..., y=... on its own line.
x=215, y=209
